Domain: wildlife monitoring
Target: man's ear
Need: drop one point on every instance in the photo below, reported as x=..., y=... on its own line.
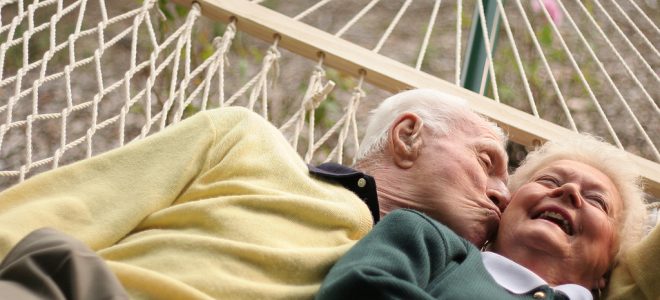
x=405, y=139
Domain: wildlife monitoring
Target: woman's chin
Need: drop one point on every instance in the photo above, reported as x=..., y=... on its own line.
x=540, y=236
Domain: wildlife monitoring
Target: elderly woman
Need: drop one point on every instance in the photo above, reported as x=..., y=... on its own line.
x=576, y=207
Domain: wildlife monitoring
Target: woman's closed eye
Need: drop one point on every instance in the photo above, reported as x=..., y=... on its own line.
x=598, y=202
x=549, y=181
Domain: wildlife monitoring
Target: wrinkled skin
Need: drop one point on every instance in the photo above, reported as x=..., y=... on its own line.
x=579, y=251
x=458, y=179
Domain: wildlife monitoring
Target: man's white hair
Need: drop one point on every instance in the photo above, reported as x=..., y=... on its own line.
x=439, y=111
x=608, y=159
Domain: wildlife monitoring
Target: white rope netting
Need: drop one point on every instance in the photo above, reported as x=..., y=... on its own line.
x=78, y=78
x=111, y=98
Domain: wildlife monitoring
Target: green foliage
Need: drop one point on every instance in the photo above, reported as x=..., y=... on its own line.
x=181, y=11
x=466, y=19
x=14, y=55
x=557, y=55
x=218, y=28
x=207, y=51
x=137, y=109
x=190, y=110
x=589, y=5
x=172, y=11
x=342, y=81
x=38, y=44
x=507, y=94
x=545, y=36
x=326, y=112
x=244, y=54
x=533, y=72
x=242, y=69
x=162, y=5
x=270, y=3
x=256, y=53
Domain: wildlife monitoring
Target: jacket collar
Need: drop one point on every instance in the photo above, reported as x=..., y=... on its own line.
x=520, y=280
x=362, y=185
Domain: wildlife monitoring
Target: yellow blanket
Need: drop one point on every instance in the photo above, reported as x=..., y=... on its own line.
x=218, y=206
x=638, y=274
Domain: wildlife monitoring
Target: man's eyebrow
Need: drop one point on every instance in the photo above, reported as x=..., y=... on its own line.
x=496, y=146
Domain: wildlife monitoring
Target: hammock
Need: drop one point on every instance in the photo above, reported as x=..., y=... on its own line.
x=78, y=78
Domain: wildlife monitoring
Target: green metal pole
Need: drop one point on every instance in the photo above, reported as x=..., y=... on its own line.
x=476, y=57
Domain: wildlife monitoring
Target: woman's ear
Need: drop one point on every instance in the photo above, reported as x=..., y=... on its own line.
x=405, y=139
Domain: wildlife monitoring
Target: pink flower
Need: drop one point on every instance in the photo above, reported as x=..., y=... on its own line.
x=553, y=9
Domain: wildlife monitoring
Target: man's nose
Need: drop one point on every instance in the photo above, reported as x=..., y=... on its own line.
x=499, y=194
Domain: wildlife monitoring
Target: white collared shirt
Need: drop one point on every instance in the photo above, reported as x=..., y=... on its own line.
x=519, y=280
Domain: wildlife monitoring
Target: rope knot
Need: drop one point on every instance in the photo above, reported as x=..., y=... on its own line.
x=273, y=53
x=272, y=58
x=358, y=92
x=217, y=42
x=196, y=9
x=314, y=101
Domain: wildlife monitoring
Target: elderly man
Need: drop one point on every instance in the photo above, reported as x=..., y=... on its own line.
x=220, y=206
x=429, y=152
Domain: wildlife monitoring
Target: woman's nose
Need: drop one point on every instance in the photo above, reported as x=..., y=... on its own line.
x=568, y=191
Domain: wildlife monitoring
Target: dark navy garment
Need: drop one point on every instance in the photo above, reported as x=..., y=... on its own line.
x=363, y=185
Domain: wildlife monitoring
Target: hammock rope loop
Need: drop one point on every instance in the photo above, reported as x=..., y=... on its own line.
x=347, y=121
x=270, y=62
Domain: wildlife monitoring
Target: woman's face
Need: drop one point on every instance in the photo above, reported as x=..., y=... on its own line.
x=562, y=224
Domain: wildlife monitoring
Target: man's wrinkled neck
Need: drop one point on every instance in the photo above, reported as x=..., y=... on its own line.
x=393, y=191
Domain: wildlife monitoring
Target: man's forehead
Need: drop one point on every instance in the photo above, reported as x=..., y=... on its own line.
x=488, y=136
x=496, y=133
x=477, y=131
x=481, y=127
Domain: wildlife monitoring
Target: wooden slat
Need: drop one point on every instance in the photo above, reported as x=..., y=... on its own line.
x=389, y=74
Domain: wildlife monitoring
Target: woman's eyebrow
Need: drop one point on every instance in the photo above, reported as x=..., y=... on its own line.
x=591, y=185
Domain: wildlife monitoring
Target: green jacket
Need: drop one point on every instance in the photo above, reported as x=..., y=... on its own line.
x=410, y=256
